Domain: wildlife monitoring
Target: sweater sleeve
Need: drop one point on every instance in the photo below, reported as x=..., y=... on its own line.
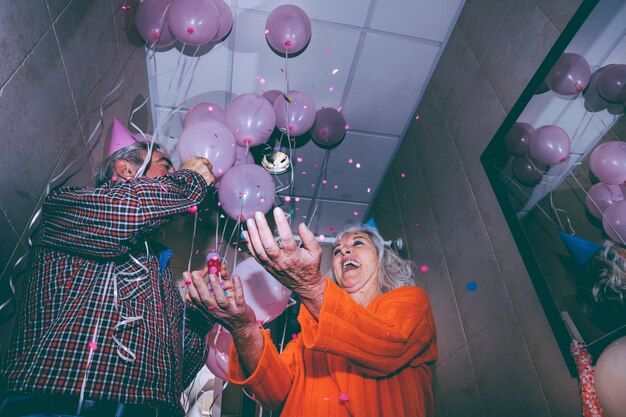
x=108, y=221
x=271, y=380
x=396, y=330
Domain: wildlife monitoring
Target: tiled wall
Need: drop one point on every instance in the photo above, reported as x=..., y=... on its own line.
x=498, y=356
x=60, y=61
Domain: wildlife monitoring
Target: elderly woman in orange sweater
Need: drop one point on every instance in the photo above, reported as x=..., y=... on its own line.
x=368, y=341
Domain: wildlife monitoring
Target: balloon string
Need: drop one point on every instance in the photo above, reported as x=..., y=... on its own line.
x=311, y=214
x=94, y=336
x=193, y=239
x=513, y=182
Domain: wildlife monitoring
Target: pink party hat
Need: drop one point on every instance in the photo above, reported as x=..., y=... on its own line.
x=120, y=138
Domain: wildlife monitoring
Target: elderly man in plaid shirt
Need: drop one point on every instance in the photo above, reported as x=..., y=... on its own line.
x=102, y=329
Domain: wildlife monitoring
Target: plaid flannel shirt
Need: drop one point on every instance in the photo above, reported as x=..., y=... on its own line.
x=86, y=287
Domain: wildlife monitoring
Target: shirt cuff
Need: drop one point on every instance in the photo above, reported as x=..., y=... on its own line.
x=237, y=375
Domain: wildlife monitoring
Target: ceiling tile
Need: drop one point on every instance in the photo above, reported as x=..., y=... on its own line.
x=422, y=18
x=388, y=82
x=256, y=68
x=327, y=217
x=350, y=12
x=356, y=167
x=182, y=79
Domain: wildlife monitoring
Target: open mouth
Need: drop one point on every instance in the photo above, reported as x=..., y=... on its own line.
x=350, y=265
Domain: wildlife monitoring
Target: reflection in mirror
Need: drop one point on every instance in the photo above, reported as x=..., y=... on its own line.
x=558, y=167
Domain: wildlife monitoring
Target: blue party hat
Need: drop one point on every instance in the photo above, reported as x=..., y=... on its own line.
x=371, y=223
x=580, y=249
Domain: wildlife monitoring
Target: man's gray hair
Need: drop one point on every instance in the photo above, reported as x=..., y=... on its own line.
x=133, y=154
x=393, y=271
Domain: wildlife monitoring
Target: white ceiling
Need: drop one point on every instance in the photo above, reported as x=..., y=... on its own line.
x=371, y=58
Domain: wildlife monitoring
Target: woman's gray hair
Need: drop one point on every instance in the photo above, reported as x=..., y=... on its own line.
x=133, y=154
x=611, y=274
x=393, y=271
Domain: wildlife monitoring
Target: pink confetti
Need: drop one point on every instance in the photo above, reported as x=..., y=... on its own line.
x=388, y=333
x=267, y=31
x=197, y=250
x=417, y=117
x=369, y=190
x=347, y=127
x=92, y=346
x=262, y=80
x=356, y=213
x=324, y=181
x=325, y=398
x=294, y=336
x=187, y=282
x=335, y=71
x=316, y=165
x=344, y=397
x=210, y=108
x=287, y=199
x=417, y=225
x=113, y=178
x=192, y=209
x=403, y=175
x=331, y=88
x=299, y=159
x=331, y=229
x=297, y=199
x=424, y=268
x=322, y=236
x=350, y=161
x=125, y=8
x=258, y=77
x=303, y=172
x=358, y=165
x=336, y=187
x=328, y=49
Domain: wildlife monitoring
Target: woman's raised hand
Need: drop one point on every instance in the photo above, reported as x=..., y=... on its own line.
x=298, y=268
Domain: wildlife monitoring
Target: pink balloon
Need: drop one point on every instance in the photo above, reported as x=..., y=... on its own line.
x=549, y=144
x=295, y=117
x=608, y=162
x=272, y=95
x=288, y=29
x=204, y=111
x=244, y=190
x=600, y=196
x=612, y=82
x=266, y=296
x=518, y=139
x=610, y=378
x=218, y=340
x=329, y=127
x=225, y=19
x=151, y=22
x=193, y=22
x=209, y=139
x=243, y=156
x=570, y=75
x=614, y=221
x=251, y=119
x=527, y=171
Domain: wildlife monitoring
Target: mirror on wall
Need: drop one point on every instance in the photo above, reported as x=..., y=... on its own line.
x=558, y=168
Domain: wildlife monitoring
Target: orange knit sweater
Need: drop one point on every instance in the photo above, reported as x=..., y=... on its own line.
x=355, y=361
